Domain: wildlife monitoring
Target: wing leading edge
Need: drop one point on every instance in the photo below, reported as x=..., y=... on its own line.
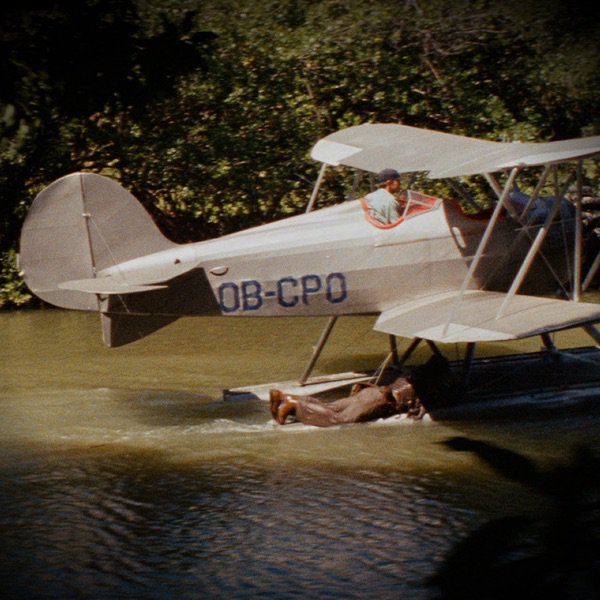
x=448, y=319
x=375, y=146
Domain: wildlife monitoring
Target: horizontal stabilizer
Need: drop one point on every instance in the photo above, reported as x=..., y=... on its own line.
x=106, y=286
x=144, y=277
x=473, y=318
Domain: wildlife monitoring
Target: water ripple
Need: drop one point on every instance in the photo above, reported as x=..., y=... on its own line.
x=126, y=525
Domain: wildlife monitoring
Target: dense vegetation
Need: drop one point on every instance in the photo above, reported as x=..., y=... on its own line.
x=206, y=111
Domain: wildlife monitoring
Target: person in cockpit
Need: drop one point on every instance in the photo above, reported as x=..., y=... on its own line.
x=386, y=204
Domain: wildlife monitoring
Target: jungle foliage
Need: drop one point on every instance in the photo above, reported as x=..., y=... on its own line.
x=206, y=110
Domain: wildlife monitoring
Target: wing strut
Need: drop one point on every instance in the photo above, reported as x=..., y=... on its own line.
x=577, y=259
x=535, y=246
x=536, y=192
x=315, y=191
x=591, y=272
x=502, y=201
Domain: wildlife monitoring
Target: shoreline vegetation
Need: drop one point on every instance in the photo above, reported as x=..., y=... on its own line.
x=206, y=112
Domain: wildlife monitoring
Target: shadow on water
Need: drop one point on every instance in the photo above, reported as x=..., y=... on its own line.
x=553, y=553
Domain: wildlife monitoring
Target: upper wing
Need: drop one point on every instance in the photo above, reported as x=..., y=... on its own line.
x=473, y=318
x=372, y=147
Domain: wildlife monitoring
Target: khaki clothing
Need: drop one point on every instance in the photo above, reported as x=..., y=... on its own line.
x=368, y=404
x=431, y=384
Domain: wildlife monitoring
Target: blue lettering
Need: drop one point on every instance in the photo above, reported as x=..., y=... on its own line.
x=311, y=284
x=229, y=302
x=251, y=295
x=337, y=290
x=291, y=300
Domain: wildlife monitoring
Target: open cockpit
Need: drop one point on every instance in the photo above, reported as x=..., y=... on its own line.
x=414, y=203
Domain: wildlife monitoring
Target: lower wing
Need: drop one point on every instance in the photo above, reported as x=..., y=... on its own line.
x=480, y=316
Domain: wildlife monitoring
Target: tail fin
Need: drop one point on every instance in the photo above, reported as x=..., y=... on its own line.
x=77, y=226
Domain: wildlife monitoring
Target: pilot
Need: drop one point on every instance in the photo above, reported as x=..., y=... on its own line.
x=385, y=203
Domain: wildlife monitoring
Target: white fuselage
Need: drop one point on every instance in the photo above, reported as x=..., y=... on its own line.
x=334, y=261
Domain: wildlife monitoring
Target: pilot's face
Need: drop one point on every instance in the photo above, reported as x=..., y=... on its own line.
x=393, y=186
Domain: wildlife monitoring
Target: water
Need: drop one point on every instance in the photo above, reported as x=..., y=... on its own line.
x=124, y=475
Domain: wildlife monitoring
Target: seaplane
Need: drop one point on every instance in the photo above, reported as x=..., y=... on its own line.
x=445, y=272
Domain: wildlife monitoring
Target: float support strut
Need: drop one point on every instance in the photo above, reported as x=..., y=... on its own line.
x=593, y=333
x=318, y=349
x=394, y=350
x=468, y=363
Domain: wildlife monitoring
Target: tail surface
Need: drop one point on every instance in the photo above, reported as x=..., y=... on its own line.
x=84, y=223
x=77, y=226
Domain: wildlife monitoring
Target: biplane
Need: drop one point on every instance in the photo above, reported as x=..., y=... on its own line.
x=441, y=273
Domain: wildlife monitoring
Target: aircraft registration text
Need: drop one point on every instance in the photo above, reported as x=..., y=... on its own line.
x=287, y=292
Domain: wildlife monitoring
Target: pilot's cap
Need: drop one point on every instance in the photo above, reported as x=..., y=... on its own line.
x=386, y=175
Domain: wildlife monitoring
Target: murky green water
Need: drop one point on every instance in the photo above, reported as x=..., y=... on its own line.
x=124, y=475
